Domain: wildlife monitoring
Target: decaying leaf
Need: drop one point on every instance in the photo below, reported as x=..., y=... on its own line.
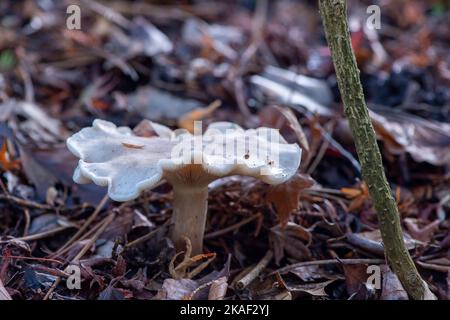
x=372, y=241
x=181, y=270
x=292, y=239
x=154, y=104
x=355, y=280
x=46, y=167
x=5, y=161
x=218, y=289
x=314, y=289
x=187, y=120
x=392, y=289
x=311, y=273
x=358, y=195
x=4, y=295
x=424, y=139
x=285, y=197
x=424, y=234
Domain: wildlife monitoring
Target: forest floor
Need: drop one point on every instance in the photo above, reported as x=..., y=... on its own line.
x=255, y=63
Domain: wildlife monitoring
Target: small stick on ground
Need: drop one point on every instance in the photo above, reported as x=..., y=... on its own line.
x=26, y=213
x=232, y=227
x=329, y=261
x=92, y=240
x=246, y=280
x=83, y=227
x=147, y=236
x=82, y=252
x=41, y=235
x=25, y=203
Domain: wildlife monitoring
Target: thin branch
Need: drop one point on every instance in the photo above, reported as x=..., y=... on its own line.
x=249, y=277
x=334, y=17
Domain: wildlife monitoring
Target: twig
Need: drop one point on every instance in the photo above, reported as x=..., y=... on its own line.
x=247, y=279
x=323, y=148
x=232, y=227
x=26, y=213
x=334, y=17
x=329, y=261
x=34, y=258
x=82, y=252
x=41, y=235
x=92, y=240
x=83, y=237
x=83, y=227
x=434, y=267
x=146, y=237
x=25, y=203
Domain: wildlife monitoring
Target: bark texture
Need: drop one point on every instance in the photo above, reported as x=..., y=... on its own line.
x=334, y=16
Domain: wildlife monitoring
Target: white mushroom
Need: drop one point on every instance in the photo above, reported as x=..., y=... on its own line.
x=128, y=164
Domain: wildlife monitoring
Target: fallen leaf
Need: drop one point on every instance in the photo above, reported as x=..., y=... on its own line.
x=355, y=280
x=187, y=120
x=392, y=289
x=111, y=293
x=218, y=289
x=295, y=125
x=5, y=160
x=372, y=241
x=424, y=139
x=176, y=289
x=46, y=222
x=358, y=195
x=286, y=196
x=290, y=239
x=157, y=105
x=424, y=234
x=181, y=270
x=314, y=289
x=311, y=273
x=45, y=167
x=4, y=295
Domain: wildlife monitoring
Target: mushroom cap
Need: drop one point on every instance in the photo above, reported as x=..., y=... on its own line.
x=128, y=164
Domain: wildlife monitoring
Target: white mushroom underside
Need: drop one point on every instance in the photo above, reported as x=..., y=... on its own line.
x=114, y=157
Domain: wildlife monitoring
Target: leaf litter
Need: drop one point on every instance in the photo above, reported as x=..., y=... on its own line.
x=310, y=238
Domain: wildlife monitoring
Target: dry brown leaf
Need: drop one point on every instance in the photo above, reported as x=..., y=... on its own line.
x=295, y=125
x=290, y=239
x=285, y=197
x=5, y=161
x=4, y=295
x=181, y=270
x=372, y=241
x=358, y=195
x=392, y=289
x=355, y=279
x=145, y=129
x=176, y=289
x=218, y=289
x=424, y=234
x=314, y=289
x=187, y=120
x=423, y=139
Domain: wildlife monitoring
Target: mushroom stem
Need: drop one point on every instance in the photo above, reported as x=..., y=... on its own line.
x=190, y=206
